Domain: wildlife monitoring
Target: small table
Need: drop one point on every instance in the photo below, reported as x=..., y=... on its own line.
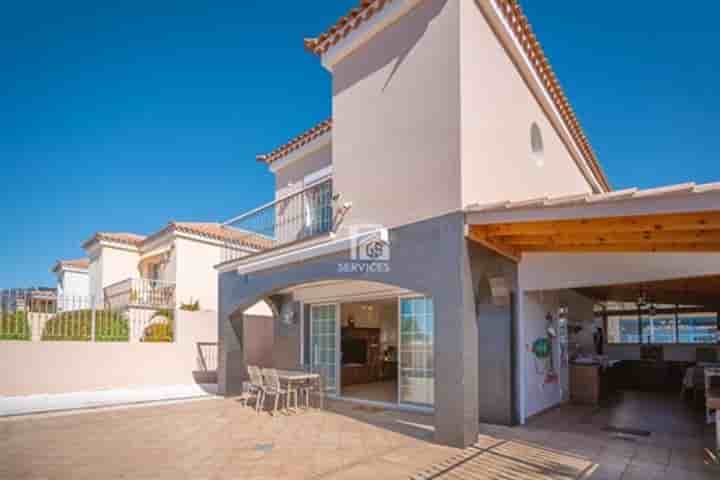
x=297, y=376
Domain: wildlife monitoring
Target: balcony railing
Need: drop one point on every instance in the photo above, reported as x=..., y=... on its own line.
x=298, y=216
x=140, y=292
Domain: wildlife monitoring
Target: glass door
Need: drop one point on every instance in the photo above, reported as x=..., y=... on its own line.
x=323, y=344
x=416, y=376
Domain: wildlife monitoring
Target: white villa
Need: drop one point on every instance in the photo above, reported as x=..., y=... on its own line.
x=452, y=144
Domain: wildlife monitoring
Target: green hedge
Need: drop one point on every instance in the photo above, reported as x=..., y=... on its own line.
x=14, y=326
x=76, y=325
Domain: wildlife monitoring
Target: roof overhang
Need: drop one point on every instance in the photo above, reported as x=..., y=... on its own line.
x=389, y=13
x=312, y=146
x=683, y=218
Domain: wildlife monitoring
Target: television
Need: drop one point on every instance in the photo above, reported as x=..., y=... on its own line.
x=354, y=350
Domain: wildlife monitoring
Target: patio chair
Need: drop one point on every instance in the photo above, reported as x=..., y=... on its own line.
x=273, y=387
x=317, y=386
x=307, y=387
x=257, y=386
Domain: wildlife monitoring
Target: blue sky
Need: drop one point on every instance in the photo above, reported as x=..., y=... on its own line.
x=124, y=117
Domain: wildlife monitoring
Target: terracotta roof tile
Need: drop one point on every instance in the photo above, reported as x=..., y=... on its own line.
x=215, y=231
x=219, y=232
x=521, y=29
x=365, y=10
x=597, y=198
x=117, y=237
x=80, y=263
x=297, y=142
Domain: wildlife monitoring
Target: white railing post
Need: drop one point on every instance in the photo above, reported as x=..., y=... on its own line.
x=133, y=336
x=93, y=318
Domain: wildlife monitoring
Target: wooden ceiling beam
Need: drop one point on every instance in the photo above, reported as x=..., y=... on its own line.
x=643, y=223
x=479, y=235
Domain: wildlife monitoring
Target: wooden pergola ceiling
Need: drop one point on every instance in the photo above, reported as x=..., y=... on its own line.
x=686, y=232
x=686, y=291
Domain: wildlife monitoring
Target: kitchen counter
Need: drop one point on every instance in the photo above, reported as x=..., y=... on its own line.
x=590, y=383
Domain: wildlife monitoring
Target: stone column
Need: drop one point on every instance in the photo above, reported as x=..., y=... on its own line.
x=456, y=344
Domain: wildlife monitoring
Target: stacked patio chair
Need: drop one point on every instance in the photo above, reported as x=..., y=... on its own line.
x=257, y=386
x=272, y=386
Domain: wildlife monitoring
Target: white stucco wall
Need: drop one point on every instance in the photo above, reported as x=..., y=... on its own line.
x=536, y=395
x=195, y=277
x=73, y=283
x=290, y=178
x=396, y=111
x=119, y=264
x=95, y=275
x=497, y=110
x=61, y=367
x=550, y=271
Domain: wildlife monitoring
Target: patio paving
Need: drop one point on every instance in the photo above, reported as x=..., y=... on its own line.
x=220, y=439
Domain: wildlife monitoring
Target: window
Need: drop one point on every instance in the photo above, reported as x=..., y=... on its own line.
x=658, y=328
x=664, y=325
x=536, y=144
x=698, y=327
x=623, y=329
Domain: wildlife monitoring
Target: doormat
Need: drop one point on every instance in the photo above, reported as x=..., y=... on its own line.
x=366, y=408
x=627, y=431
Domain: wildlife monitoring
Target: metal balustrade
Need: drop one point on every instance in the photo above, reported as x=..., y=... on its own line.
x=292, y=218
x=137, y=310
x=140, y=292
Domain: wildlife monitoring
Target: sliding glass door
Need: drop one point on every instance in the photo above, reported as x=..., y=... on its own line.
x=323, y=343
x=416, y=379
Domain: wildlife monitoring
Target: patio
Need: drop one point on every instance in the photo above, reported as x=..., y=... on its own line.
x=219, y=438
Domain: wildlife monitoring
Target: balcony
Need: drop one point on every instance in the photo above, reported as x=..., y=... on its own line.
x=140, y=292
x=296, y=217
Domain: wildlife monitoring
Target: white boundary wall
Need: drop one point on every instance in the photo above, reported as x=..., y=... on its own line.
x=59, y=367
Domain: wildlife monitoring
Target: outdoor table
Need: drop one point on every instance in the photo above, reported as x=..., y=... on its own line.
x=298, y=376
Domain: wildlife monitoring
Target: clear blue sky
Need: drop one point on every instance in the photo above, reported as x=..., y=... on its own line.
x=124, y=117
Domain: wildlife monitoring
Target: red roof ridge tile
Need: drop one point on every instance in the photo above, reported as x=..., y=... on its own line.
x=297, y=142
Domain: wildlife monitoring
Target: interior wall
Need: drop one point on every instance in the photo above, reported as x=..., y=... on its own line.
x=580, y=313
x=540, y=395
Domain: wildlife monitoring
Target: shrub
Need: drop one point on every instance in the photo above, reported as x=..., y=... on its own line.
x=76, y=325
x=191, y=306
x=160, y=330
x=14, y=326
x=111, y=326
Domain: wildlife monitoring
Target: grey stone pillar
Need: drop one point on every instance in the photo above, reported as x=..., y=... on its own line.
x=456, y=345
x=231, y=359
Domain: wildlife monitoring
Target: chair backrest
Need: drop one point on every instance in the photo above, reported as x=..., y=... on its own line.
x=256, y=377
x=271, y=378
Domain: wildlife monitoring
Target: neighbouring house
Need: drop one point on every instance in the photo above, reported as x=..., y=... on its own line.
x=447, y=241
x=171, y=267
x=40, y=299
x=73, y=281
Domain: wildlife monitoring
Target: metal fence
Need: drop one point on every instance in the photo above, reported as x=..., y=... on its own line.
x=140, y=292
x=295, y=217
x=51, y=318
